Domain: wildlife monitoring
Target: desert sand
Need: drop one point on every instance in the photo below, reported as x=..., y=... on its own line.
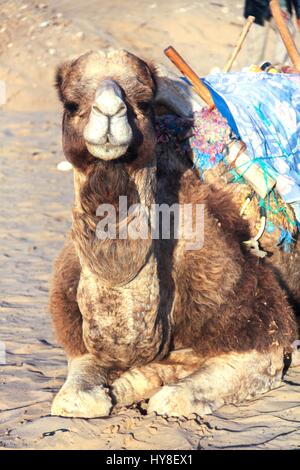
x=35, y=214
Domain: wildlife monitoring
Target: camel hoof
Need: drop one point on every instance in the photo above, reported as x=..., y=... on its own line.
x=74, y=402
x=177, y=401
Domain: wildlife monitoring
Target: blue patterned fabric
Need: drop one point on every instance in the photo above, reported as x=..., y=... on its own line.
x=264, y=110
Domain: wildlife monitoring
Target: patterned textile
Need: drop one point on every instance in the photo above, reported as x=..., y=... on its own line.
x=208, y=131
x=264, y=110
x=204, y=139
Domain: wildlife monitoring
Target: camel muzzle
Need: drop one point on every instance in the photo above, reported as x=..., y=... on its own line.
x=108, y=133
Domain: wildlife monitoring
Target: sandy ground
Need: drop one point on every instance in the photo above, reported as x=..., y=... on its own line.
x=35, y=214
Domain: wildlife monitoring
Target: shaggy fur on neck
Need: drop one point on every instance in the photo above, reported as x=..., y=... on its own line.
x=114, y=261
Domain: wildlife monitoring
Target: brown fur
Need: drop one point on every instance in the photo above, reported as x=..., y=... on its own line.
x=139, y=299
x=64, y=308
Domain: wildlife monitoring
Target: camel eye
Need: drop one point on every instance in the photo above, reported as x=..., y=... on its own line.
x=71, y=106
x=144, y=105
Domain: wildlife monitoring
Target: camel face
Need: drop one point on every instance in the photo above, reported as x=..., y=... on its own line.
x=107, y=97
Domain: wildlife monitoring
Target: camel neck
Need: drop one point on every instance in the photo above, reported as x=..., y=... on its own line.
x=98, y=225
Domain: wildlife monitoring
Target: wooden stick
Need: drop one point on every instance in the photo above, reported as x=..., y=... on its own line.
x=285, y=34
x=193, y=78
x=240, y=42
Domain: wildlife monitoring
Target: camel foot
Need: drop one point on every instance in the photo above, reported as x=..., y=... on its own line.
x=74, y=402
x=175, y=400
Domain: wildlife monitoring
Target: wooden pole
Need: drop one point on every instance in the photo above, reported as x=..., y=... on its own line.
x=285, y=34
x=240, y=42
x=185, y=69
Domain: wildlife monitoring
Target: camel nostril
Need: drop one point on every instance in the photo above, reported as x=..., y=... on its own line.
x=96, y=110
x=121, y=111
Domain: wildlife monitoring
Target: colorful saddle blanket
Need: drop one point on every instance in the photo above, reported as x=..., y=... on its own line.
x=264, y=111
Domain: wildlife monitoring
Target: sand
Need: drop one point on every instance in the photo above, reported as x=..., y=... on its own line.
x=35, y=214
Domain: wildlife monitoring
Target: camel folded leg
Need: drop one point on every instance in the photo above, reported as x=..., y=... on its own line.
x=230, y=378
x=143, y=381
x=84, y=393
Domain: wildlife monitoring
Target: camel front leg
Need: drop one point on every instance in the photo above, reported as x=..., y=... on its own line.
x=84, y=394
x=230, y=378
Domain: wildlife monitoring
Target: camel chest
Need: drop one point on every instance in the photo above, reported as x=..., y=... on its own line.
x=124, y=325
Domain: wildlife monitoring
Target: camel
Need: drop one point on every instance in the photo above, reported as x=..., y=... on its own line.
x=190, y=329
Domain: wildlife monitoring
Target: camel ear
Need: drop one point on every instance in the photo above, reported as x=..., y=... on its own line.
x=173, y=93
x=60, y=76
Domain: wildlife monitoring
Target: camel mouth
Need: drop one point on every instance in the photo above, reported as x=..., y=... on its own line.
x=107, y=151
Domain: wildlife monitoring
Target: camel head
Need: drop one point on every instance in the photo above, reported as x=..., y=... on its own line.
x=108, y=99
x=108, y=113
